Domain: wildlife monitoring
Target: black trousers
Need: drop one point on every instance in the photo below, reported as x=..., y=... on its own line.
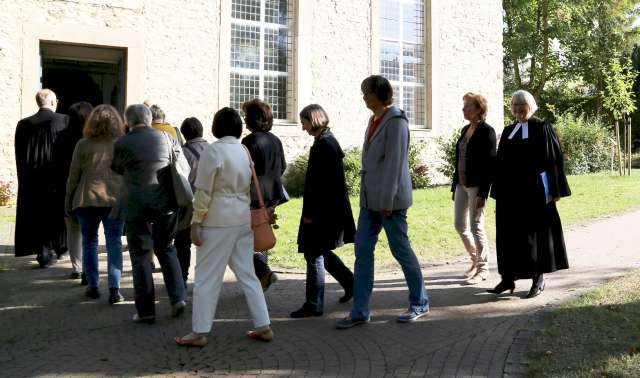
x=183, y=249
x=142, y=237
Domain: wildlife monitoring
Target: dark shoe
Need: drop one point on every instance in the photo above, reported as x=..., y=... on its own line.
x=304, y=313
x=502, y=287
x=268, y=280
x=178, y=308
x=44, y=259
x=83, y=279
x=60, y=255
x=348, y=294
x=349, y=322
x=536, y=288
x=92, y=292
x=144, y=319
x=74, y=276
x=115, y=296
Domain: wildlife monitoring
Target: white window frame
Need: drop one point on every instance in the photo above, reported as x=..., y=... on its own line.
x=376, y=42
x=225, y=56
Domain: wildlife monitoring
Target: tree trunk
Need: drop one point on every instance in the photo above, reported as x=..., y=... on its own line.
x=618, y=147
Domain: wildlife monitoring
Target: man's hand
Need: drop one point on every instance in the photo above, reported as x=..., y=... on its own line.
x=306, y=220
x=196, y=237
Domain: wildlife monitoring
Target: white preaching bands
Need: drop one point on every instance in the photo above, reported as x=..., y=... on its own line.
x=525, y=130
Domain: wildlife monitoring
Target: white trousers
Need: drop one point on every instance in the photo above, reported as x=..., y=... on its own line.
x=469, y=222
x=74, y=243
x=224, y=246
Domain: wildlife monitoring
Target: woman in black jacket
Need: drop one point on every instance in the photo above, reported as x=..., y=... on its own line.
x=475, y=153
x=268, y=156
x=327, y=221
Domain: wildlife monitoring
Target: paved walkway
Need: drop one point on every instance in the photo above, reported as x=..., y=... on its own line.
x=47, y=328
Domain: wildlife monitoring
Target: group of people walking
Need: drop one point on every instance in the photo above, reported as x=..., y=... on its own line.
x=104, y=169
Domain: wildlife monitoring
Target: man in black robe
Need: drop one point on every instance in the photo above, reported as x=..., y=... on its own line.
x=40, y=227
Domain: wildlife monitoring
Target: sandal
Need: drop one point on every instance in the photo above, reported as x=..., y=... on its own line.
x=191, y=340
x=263, y=335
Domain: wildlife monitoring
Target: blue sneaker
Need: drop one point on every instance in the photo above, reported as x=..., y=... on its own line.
x=349, y=322
x=411, y=315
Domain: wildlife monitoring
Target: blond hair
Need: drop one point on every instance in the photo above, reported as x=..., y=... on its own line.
x=479, y=101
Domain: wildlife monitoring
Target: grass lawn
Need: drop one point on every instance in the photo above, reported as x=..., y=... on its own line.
x=596, y=335
x=431, y=219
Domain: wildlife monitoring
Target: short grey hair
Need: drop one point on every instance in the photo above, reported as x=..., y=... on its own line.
x=45, y=97
x=138, y=114
x=157, y=114
x=526, y=97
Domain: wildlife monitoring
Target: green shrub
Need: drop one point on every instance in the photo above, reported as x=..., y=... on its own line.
x=419, y=171
x=586, y=142
x=294, y=175
x=352, y=166
x=447, y=148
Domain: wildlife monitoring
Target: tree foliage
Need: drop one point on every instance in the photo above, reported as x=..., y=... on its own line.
x=562, y=50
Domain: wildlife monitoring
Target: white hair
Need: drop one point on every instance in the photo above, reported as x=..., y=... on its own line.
x=526, y=97
x=138, y=114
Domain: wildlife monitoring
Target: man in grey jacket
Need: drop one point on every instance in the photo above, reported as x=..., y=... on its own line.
x=385, y=196
x=150, y=220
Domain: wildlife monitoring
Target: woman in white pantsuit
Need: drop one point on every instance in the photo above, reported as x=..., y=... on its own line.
x=221, y=230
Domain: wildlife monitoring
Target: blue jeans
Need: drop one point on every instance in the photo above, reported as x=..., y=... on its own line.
x=316, y=264
x=370, y=224
x=90, y=218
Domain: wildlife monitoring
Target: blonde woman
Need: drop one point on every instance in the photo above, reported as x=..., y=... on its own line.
x=326, y=222
x=475, y=152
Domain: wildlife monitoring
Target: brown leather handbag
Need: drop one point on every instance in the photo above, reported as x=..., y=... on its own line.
x=261, y=218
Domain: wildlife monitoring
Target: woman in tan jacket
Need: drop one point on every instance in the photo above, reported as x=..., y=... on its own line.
x=92, y=190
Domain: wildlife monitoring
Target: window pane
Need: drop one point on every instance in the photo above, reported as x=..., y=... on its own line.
x=413, y=63
x=413, y=104
x=243, y=88
x=245, y=46
x=413, y=15
x=390, y=19
x=246, y=10
x=390, y=60
x=275, y=94
x=276, y=12
x=275, y=49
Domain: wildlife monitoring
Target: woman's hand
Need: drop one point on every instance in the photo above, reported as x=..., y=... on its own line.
x=306, y=220
x=196, y=237
x=480, y=202
x=386, y=213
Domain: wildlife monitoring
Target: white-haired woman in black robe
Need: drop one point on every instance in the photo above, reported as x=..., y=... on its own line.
x=529, y=180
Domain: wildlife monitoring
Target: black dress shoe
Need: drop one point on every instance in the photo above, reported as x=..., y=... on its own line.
x=536, y=288
x=346, y=297
x=115, y=296
x=92, y=292
x=83, y=279
x=44, y=259
x=502, y=287
x=304, y=313
x=74, y=275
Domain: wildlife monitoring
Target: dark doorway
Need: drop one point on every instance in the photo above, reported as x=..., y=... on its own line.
x=84, y=73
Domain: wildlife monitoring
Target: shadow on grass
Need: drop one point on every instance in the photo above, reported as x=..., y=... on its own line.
x=597, y=334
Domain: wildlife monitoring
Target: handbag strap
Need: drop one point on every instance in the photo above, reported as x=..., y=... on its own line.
x=255, y=177
x=172, y=157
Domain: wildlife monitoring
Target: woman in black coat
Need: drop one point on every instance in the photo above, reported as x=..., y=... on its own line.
x=62, y=154
x=327, y=221
x=268, y=156
x=529, y=180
